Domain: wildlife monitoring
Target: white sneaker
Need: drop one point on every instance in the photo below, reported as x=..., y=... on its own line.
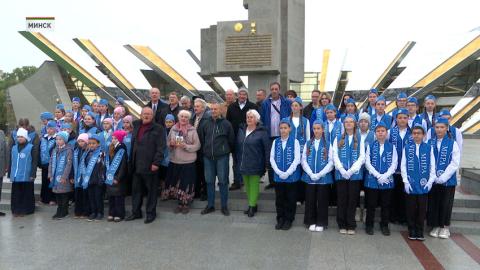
x=444, y=233
x=351, y=232
x=343, y=231
x=319, y=229
x=312, y=228
x=434, y=232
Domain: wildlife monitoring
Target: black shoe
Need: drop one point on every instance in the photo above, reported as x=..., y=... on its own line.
x=287, y=225
x=279, y=224
x=419, y=234
x=208, y=210
x=99, y=217
x=255, y=208
x=55, y=216
x=2, y=214
x=385, y=230
x=203, y=197
x=225, y=211
x=369, y=230
x=412, y=235
x=269, y=186
x=92, y=217
x=235, y=186
x=133, y=217
x=246, y=211
x=149, y=220
x=251, y=212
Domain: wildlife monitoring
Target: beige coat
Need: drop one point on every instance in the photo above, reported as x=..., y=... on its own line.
x=179, y=155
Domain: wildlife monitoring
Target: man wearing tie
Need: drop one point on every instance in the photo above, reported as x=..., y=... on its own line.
x=157, y=105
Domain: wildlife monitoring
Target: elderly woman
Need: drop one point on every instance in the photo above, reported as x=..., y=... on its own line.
x=253, y=152
x=183, y=144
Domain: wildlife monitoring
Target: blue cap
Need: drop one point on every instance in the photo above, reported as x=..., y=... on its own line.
x=430, y=97
x=92, y=114
x=373, y=90
x=381, y=124
x=46, y=116
x=285, y=121
x=444, y=112
x=170, y=117
x=298, y=100
x=68, y=111
x=441, y=120
x=402, y=95
x=412, y=100
x=64, y=135
x=87, y=108
x=402, y=111
x=67, y=125
x=60, y=107
x=380, y=98
x=94, y=101
x=351, y=116
x=94, y=137
x=351, y=101
x=318, y=122
x=103, y=102
x=51, y=124
x=418, y=125
x=120, y=100
x=76, y=99
x=330, y=107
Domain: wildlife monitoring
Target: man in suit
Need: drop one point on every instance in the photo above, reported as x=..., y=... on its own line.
x=157, y=105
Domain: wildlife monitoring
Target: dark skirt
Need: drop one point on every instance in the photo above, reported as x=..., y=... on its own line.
x=180, y=182
x=22, y=199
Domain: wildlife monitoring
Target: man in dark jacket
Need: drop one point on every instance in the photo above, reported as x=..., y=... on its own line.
x=157, y=105
x=218, y=139
x=310, y=108
x=148, y=146
x=172, y=108
x=237, y=115
x=200, y=116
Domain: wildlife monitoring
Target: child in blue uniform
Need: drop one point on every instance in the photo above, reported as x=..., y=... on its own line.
x=418, y=174
x=47, y=143
x=350, y=109
x=116, y=174
x=401, y=103
x=317, y=164
x=348, y=156
x=333, y=128
x=381, y=162
x=284, y=159
x=429, y=114
x=413, y=117
x=81, y=194
x=93, y=177
x=447, y=161
x=372, y=97
x=380, y=115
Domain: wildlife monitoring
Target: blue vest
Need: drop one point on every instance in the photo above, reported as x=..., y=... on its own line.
x=430, y=124
x=21, y=168
x=418, y=168
x=105, y=143
x=345, y=115
x=59, y=124
x=89, y=130
x=284, y=158
x=348, y=155
x=336, y=132
x=318, y=114
x=78, y=157
x=59, y=164
x=316, y=161
x=381, y=164
x=300, y=132
x=399, y=143
x=443, y=157
x=119, y=126
x=46, y=147
x=387, y=119
x=417, y=120
x=127, y=140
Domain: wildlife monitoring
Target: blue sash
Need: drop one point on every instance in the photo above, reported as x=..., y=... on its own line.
x=112, y=167
x=57, y=168
x=284, y=158
x=76, y=169
x=443, y=157
x=45, y=147
x=87, y=171
x=336, y=131
x=381, y=163
x=418, y=168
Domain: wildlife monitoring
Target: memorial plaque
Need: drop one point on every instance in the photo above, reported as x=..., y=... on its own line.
x=248, y=51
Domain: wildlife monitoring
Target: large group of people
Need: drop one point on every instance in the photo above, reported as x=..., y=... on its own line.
x=318, y=155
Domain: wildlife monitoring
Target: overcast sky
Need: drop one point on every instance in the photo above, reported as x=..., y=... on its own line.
x=364, y=36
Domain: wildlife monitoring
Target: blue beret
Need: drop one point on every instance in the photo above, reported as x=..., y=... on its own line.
x=444, y=112
x=285, y=121
x=418, y=125
x=402, y=95
x=412, y=100
x=103, y=102
x=351, y=101
x=298, y=100
x=318, y=122
x=76, y=99
x=51, y=124
x=46, y=116
x=94, y=137
x=67, y=125
x=92, y=114
x=94, y=101
x=381, y=124
x=351, y=116
x=64, y=135
x=441, y=120
x=380, y=98
x=87, y=108
x=402, y=111
x=330, y=107
x=430, y=97
x=68, y=111
x=373, y=90
x=60, y=107
x=120, y=100
x=170, y=117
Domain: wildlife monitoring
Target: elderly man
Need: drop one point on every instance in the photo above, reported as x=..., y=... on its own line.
x=261, y=96
x=199, y=117
x=237, y=115
x=173, y=107
x=217, y=139
x=274, y=109
x=3, y=162
x=230, y=97
x=148, y=146
x=186, y=103
x=156, y=104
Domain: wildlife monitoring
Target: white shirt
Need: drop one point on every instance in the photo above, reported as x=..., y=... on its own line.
x=403, y=165
x=356, y=165
x=295, y=162
x=391, y=169
x=248, y=132
x=241, y=105
x=328, y=167
x=452, y=167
